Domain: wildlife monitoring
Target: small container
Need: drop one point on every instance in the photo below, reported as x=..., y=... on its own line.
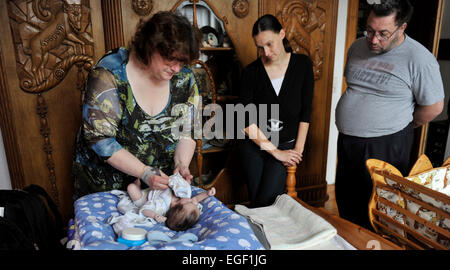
x=133, y=237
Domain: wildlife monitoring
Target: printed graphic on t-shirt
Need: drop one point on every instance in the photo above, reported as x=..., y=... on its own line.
x=371, y=71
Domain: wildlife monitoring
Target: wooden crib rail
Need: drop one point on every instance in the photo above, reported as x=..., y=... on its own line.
x=291, y=182
x=404, y=189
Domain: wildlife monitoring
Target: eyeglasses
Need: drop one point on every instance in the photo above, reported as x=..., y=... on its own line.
x=369, y=33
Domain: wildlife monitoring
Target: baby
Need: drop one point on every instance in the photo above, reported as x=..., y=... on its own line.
x=173, y=205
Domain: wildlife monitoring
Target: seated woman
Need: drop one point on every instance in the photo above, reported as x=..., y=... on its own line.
x=282, y=78
x=131, y=110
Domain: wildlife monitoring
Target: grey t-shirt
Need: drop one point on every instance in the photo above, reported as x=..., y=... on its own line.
x=384, y=89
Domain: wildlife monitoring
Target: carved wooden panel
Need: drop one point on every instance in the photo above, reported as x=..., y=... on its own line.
x=311, y=28
x=47, y=48
x=305, y=25
x=50, y=37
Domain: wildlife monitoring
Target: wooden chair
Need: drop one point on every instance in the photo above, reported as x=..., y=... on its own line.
x=405, y=209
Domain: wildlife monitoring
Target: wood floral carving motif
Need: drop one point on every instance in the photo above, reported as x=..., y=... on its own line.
x=304, y=23
x=142, y=7
x=50, y=37
x=240, y=8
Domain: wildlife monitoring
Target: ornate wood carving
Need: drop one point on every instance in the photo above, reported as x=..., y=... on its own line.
x=49, y=38
x=240, y=8
x=142, y=7
x=41, y=108
x=304, y=23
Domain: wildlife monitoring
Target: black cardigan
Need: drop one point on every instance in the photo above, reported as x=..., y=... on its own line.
x=294, y=99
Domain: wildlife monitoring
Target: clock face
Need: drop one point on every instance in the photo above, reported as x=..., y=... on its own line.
x=210, y=36
x=212, y=40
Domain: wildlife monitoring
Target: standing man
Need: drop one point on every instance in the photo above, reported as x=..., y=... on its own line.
x=394, y=85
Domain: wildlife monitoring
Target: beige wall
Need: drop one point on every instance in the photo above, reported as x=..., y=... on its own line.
x=5, y=182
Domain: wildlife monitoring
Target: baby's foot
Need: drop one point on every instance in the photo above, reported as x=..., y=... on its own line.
x=212, y=191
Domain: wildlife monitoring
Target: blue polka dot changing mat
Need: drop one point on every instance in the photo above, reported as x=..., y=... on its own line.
x=218, y=228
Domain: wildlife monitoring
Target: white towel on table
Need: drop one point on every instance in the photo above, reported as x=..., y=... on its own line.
x=288, y=225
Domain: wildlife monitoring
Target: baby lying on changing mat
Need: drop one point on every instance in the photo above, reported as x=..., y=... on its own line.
x=174, y=206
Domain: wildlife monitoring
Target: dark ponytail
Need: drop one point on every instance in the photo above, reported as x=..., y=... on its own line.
x=271, y=23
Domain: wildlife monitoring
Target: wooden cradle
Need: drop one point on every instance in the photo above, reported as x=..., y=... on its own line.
x=412, y=211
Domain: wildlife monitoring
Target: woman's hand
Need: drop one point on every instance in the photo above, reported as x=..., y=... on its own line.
x=158, y=181
x=300, y=152
x=289, y=158
x=184, y=172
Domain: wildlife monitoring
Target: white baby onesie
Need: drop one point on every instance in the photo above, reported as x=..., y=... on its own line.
x=159, y=201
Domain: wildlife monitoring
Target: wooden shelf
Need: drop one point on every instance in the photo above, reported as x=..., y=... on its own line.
x=215, y=49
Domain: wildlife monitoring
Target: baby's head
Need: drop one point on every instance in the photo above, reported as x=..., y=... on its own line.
x=182, y=215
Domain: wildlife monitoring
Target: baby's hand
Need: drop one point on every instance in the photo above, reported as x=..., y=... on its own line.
x=160, y=219
x=212, y=191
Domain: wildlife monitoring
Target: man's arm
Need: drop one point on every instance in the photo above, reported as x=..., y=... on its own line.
x=424, y=114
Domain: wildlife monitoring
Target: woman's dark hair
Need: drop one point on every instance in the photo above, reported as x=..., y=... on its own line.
x=179, y=220
x=271, y=23
x=402, y=8
x=171, y=34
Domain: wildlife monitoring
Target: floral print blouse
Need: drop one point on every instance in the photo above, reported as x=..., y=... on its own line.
x=112, y=120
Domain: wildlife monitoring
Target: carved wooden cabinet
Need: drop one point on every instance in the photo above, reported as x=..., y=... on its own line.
x=48, y=46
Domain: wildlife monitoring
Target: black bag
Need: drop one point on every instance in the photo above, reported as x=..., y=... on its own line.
x=26, y=223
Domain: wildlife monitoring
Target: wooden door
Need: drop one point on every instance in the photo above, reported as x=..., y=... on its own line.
x=45, y=51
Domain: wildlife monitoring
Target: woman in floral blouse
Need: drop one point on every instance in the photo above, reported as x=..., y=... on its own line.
x=135, y=101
